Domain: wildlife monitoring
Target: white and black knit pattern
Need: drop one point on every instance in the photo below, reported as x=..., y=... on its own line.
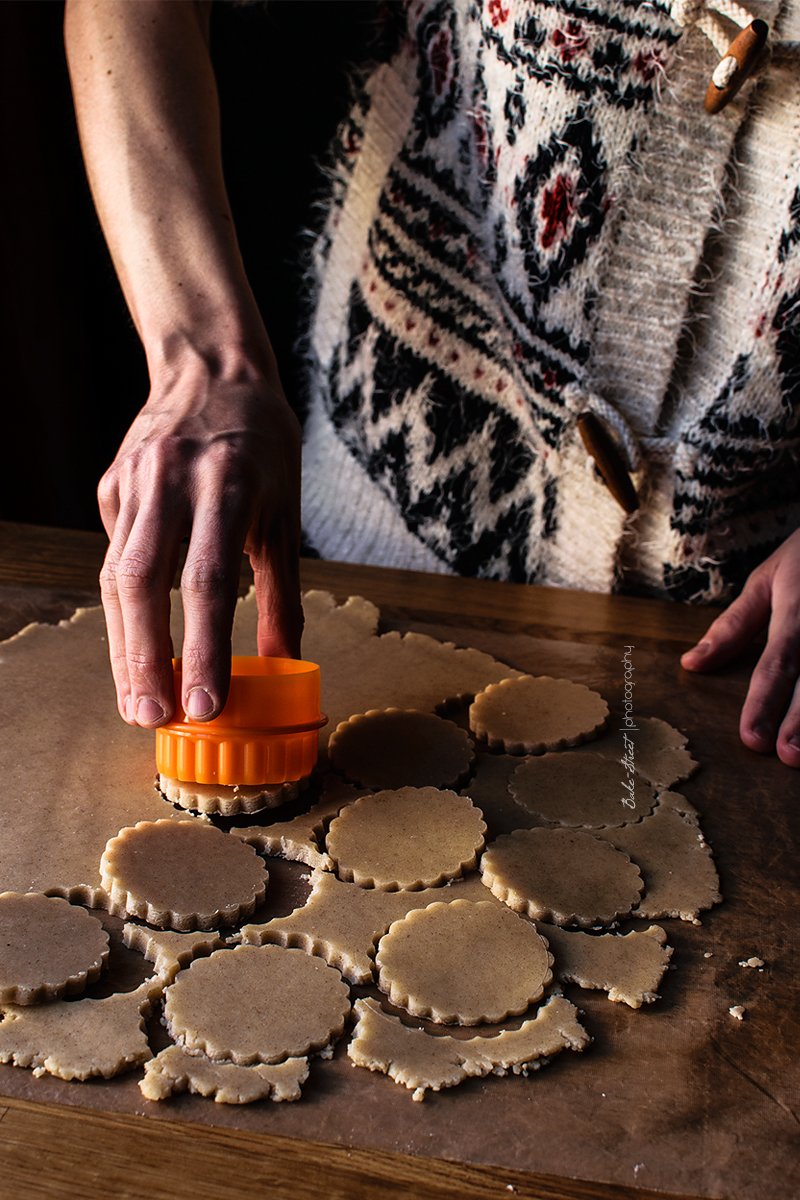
x=520, y=212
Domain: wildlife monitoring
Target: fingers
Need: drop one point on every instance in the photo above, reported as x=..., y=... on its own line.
x=734, y=629
x=135, y=584
x=771, y=713
x=280, y=612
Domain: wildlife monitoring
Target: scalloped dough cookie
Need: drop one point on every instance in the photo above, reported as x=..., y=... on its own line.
x=579, y=789
x=408, y=839
x=629, y=968
x=396, y=748
x=301, y=839
x=534, y=713
x=176, y=1070
x=78, y=1039
x=463, y=963
x=182, y=875
x=48, y=948
x=561, y=875
x=423, y=1061
x=218, y=799
x=257, y=1004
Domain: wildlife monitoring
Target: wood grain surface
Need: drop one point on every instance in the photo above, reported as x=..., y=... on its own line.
x=64, y=1150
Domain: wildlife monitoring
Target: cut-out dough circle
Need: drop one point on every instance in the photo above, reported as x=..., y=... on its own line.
x=48, y=948
x=561, y=875
x=463, y=962
x=397, y=748
x=150, y=871
x=407, y=839
x=579, y=789
x=535, y=713
x=257, y=1004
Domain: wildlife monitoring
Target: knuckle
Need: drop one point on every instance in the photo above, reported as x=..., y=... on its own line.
x=136, y=576
x=780, y=663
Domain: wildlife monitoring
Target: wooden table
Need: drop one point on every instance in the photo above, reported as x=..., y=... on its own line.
x=54, y=1151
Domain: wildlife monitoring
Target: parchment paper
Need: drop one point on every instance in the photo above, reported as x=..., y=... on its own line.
x=678, y=1095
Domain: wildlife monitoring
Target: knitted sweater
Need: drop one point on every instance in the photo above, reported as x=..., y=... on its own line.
x=531, y=214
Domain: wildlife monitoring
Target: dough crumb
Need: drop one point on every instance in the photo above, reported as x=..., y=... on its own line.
x=737, y=1011
x=708, y=954
x=752, y=962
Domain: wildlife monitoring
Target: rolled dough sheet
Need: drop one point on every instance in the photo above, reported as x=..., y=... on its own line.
x=421, y=1061
x=48, y=948
x=176, y=1070
x=407, y=839
x=73, y=772
x=363, y=670
x=395, y=748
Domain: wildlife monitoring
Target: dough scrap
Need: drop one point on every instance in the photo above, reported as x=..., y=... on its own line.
x=423, y=1061
x=150, y=871
x=659, y=753
x=395, y=748
x=218, y=799
x=406, y=840
x=342, y=922
x=257, y=1004
x=176, y=1070
x=534, y=713
x=463, y=963
x=361, y=670
x=81, y=1038
x=299, y=839
x=48, y=948
x=629, y=968
x=564, y=876
x=169, y=952
x=571, y=789
x=679, y=873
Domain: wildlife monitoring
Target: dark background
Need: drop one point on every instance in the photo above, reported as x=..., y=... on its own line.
x=73, y=372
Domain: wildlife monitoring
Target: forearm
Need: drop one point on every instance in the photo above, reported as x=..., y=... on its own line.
x=148, y=118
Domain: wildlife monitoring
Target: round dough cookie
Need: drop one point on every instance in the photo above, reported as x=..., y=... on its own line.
x=407, y=839
x=579, y=789
x=561, y=875
x=535, y=713
x=463, y=963
x=257, y=1004
x=396, y=748
x=182, y=875
x=217, y=798
x=48, y=948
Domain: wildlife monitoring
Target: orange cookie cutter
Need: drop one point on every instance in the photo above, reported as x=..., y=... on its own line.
x=266, y=734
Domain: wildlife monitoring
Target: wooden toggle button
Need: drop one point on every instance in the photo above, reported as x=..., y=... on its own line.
x=736, y=66
x=608, y=461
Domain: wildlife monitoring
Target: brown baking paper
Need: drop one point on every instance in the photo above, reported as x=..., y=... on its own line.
x=678, y=1095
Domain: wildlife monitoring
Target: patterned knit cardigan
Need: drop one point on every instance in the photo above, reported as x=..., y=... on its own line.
x=531, y=215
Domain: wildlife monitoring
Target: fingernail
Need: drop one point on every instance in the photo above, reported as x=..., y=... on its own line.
x=764, y=732
x=148, y=710
x=198, y=704
x=702, y=648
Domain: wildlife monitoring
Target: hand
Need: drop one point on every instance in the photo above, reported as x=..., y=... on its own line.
x=213, y=455
x=771, y=714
